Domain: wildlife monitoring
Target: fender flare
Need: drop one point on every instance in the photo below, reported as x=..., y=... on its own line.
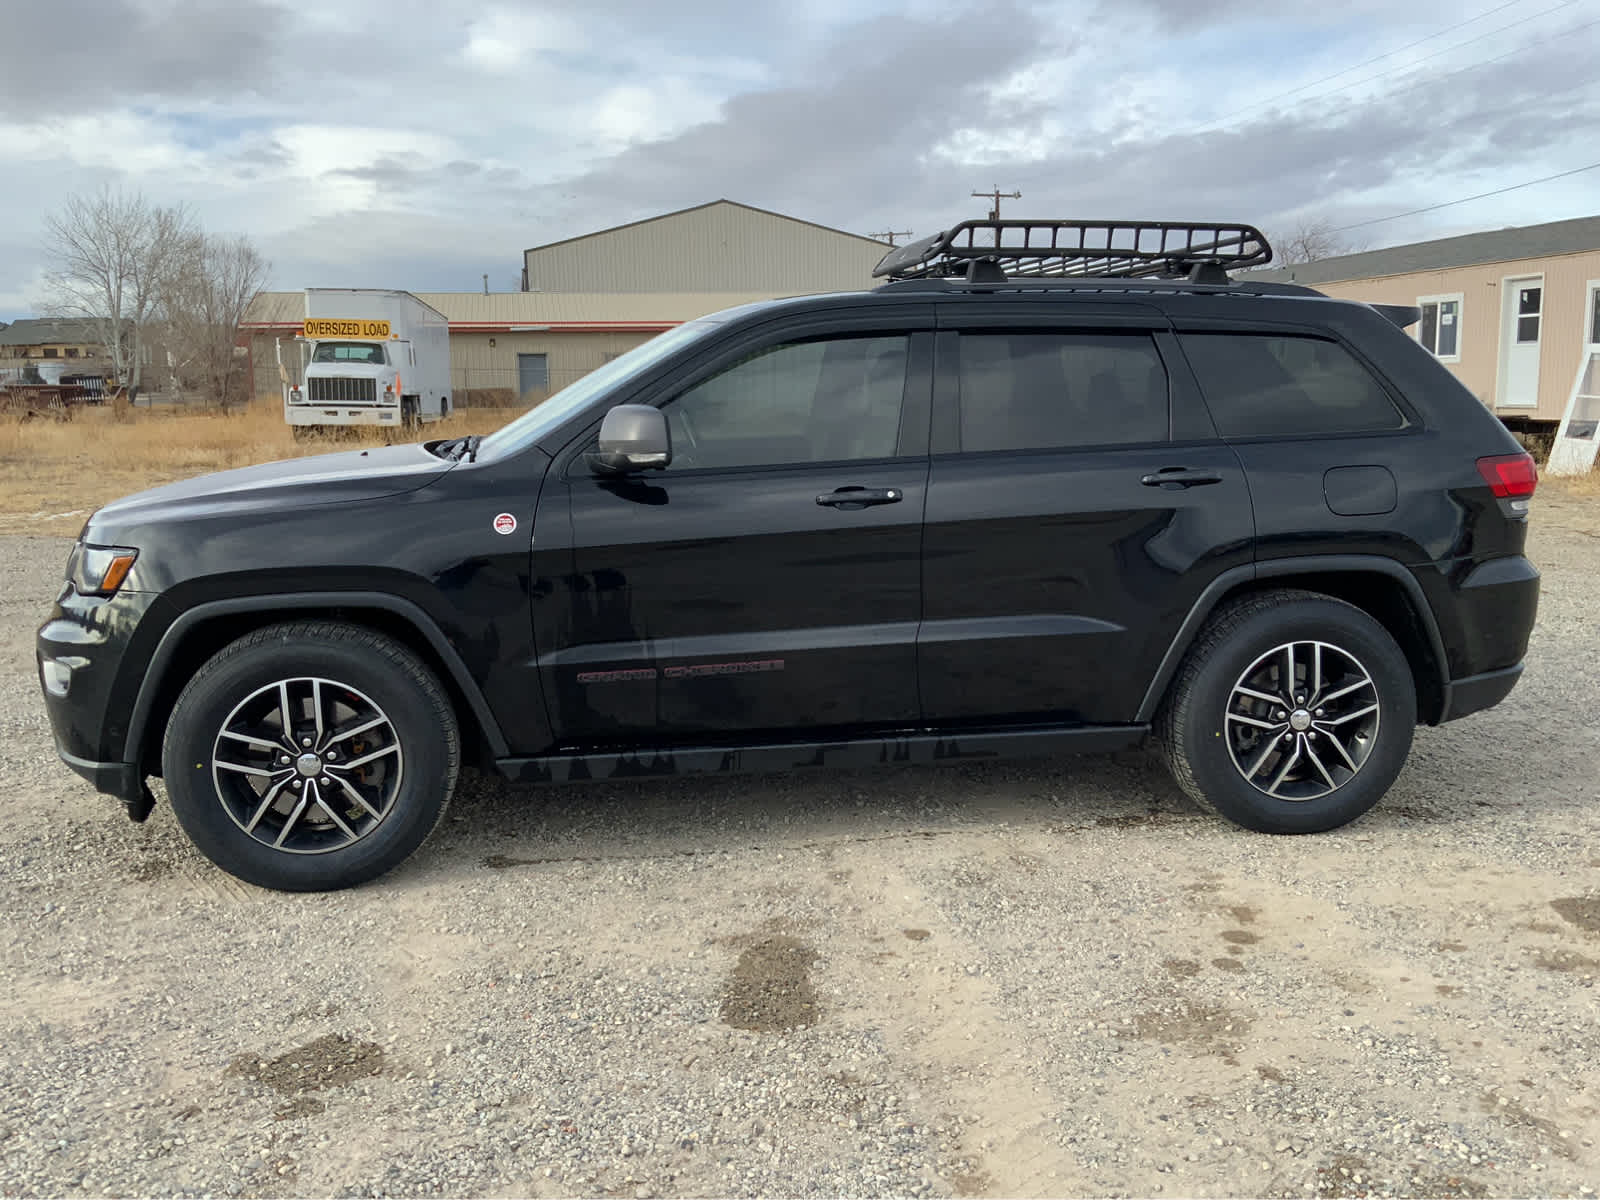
x=413, y=614
x=1321, y=564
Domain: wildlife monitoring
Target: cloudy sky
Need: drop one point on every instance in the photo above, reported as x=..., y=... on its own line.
x=423, y=143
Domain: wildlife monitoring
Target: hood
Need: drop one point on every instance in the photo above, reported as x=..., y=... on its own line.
x=349, y=476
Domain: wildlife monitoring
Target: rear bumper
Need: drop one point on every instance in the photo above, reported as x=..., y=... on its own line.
x=1462, y=697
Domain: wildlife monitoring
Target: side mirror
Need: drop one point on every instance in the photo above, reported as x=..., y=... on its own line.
x=633, y=437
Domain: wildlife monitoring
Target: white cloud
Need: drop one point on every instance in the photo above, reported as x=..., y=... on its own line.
x=505, y=38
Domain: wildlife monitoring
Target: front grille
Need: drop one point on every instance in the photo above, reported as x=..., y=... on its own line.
x=325, y=390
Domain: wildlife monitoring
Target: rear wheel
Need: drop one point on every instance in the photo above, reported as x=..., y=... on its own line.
x=311, y=756
x=410, y=418
x=1292, y=713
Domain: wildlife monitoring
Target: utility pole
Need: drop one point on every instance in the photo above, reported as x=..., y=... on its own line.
x=996, y=195
x=889, y=235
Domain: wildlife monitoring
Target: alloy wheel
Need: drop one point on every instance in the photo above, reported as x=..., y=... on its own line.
x=307, y=765
x=1302, y=720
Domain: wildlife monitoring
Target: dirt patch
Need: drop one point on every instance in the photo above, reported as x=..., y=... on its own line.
x=1582, y=911
x=1447, y=989
x=1565, y=961
x=333, y=1060
x=151, y=869
x=1451, y=947
x=1514, y=1115
x=1244, y=914
x=1204, y=1027
x=1271, y=1074
x=1240, y=937
x=1183, y=968
x=969, y=1183
x=1227, y=964
x=770, y=986
x=917, y=935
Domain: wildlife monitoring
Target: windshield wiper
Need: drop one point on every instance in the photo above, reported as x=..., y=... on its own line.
x=458, y=448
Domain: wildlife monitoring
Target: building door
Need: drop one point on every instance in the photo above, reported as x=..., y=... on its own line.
x=533, y=374
x=1521, y=322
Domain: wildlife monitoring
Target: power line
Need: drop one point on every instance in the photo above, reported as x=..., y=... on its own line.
x=1465, y=199
x=1403, y=67
x=1434, y=80
x=1367, y=62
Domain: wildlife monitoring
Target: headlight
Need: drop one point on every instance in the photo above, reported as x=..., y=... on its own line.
x=100, y=570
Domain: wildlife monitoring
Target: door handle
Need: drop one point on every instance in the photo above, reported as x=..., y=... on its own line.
x=1173, y=478
x=860, y=497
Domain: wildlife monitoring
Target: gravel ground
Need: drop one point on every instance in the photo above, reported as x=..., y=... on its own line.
x=1019, y=979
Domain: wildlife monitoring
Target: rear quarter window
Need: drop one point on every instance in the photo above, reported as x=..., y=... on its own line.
x=1272, y=385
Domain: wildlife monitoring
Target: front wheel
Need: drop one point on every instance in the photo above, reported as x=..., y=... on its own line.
x=1292, y=713
x=310, y=756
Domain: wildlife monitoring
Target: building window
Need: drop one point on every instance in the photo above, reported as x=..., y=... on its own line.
x=72, y=352
x=50, y=352
x=1440, y=330
x=1594, y=314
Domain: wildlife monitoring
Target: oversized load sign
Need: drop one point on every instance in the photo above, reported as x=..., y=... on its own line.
x=1579, y=434
x=339, y=327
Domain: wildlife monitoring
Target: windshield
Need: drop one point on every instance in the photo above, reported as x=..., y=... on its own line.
x=350, y=352
x=540, y=420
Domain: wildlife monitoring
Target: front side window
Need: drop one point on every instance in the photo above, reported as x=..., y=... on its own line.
x=1440, y=331
x=822, y=401
x=1594, y=316
x=1259, y=385
x=1036, y=391
x=368, y=353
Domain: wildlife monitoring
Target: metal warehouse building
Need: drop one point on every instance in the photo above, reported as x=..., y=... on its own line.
x=591, y=298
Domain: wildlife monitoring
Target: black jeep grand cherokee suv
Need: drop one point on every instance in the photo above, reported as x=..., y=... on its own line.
x=1057, y=486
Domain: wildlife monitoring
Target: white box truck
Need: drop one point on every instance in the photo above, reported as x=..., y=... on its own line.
x=368, y=356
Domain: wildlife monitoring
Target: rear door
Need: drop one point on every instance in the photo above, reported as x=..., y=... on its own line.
x=767, y=582
x=1079, y=501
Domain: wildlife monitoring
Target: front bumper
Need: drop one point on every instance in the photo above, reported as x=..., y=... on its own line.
x=1462, y=697
x=338, y=414
x=81, y=653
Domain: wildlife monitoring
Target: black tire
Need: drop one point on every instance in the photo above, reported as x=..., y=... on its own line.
x=410, y=418
x=390, y=804
x=1211, y=734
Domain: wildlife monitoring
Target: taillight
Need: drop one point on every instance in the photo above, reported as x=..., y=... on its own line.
x=1510, y=476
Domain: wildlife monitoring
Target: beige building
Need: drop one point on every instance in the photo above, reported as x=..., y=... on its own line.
x=1512, y=312
x=506, y=348
x=717, y=247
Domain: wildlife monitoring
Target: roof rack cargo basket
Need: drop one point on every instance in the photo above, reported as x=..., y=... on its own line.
x=1082, y=249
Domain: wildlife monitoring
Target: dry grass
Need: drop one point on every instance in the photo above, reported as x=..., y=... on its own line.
x=54, y=473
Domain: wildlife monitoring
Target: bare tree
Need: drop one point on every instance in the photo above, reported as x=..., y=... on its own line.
x=1311, y=240
x=109, y=255
x=207, y=288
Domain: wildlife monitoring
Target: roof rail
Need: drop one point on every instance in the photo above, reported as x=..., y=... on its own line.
x=1201, y=251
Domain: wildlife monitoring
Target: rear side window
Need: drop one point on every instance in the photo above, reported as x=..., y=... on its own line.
x=1266, y=385
x=1033, y=391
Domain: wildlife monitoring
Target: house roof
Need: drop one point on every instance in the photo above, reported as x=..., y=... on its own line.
x=1494, y=245
x=559, y=311
x=766, y=212
x=50, y=331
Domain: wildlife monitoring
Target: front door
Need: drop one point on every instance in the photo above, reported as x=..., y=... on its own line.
x=1077, y=507
x=1521, y=325
x=768, y=580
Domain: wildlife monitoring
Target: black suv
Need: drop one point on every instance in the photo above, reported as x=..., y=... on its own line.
x=1057, y=486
